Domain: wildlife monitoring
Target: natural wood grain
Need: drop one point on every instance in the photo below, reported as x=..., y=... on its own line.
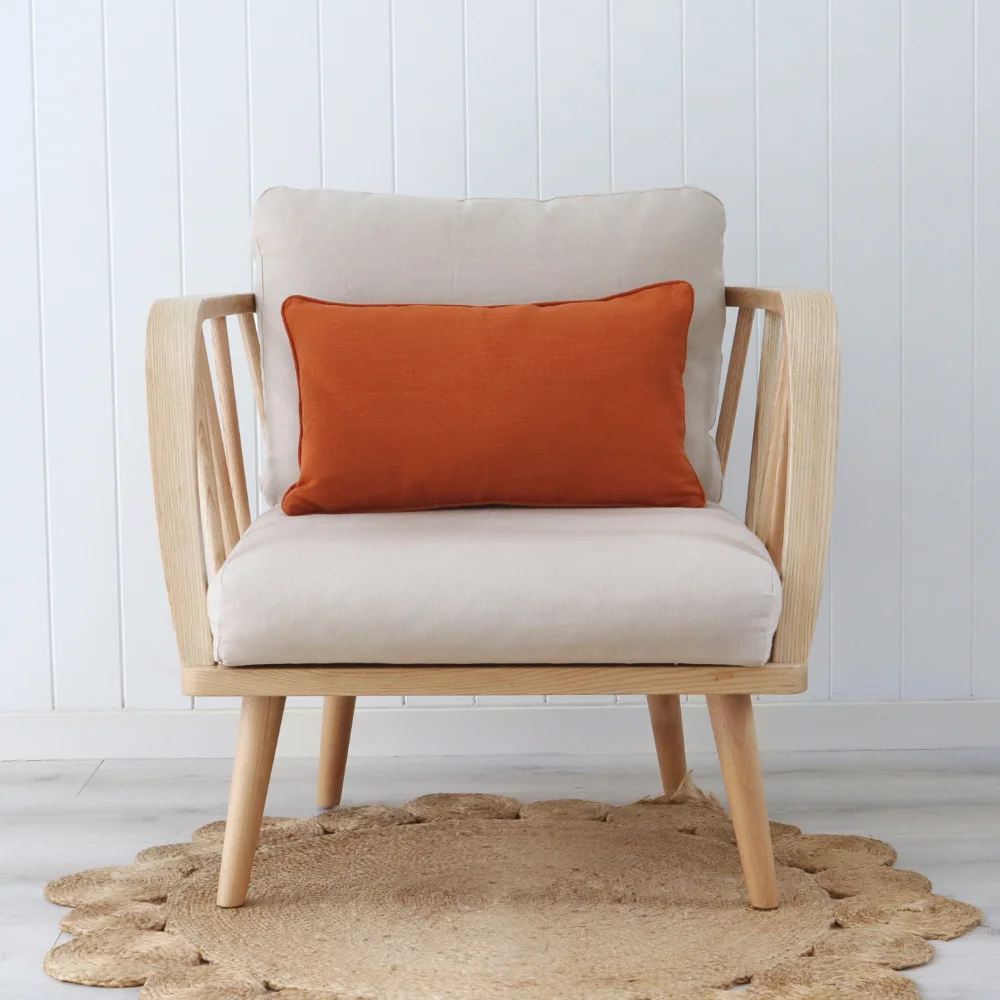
x=260, y=722
x=813, y=410
x=736, y=741
x=789, y=506
x=734, y=382
x=210, y=415
x=764, y=413
x=172, y=337
x=369, y=679
x=338, y=715
x=668, y=736
x=251, y=346
x=229, y=420
x=804, y=325
x=772, y=485
x=208, y=502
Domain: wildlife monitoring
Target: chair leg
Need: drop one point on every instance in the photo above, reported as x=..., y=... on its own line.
x=338, y=714
x=260, y=721
x=736, y=739
x=668, y=735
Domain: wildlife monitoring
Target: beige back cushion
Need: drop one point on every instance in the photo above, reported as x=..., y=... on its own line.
x=350, y=247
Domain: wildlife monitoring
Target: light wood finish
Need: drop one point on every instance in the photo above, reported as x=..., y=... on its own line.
x=736, y=741
x=668, y=735
x=229, y=419
x=418, y=679
x=251, y=345
x=734, y=382
x=338, y=715
x=174, y=329
x=260, y=722
x=222, y=494
x=200, y=514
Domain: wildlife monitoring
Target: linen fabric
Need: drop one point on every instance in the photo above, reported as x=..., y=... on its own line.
x=560, y=404
x=393, y=249
x=497, y=585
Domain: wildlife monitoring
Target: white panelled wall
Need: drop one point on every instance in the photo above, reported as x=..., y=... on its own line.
x=855, y=144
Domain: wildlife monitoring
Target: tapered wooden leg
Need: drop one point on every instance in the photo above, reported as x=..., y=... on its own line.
x=260, y=721
x=338, y=714
x=668, y=735
x=736, y=739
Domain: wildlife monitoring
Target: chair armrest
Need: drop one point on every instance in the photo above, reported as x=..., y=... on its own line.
x=790, y=501
x=184, y=427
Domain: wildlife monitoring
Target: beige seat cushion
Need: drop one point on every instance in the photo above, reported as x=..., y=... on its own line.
x=350, y=247
x=497, y=585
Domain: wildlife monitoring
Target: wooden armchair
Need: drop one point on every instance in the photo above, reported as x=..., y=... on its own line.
x=203, y=510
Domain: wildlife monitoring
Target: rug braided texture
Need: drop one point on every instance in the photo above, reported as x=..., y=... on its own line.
x=455, y=897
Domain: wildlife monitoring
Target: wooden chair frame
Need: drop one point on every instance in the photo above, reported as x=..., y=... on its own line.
x=202, y=509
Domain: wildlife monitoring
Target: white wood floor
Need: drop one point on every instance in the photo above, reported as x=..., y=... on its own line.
x=940, y=809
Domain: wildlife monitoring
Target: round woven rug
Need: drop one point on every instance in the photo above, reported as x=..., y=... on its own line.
x=480, y=896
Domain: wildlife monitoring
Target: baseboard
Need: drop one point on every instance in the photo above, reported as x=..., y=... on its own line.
x=548, y=729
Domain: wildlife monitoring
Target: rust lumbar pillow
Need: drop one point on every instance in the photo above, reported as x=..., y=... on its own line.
x=559, y=404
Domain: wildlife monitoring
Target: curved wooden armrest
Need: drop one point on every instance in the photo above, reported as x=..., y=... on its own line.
x=188, y=454
x=790, y=498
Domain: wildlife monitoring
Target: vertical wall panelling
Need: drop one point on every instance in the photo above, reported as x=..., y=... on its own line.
x=793, y=184
x=574, y=107
x=986, y=457
x=938, y=227
x=853, y=143
x=647, y=103
x=77, y=354
x=357, y=116
x=429, y=94
x=502, y=124
x=574, y=97
x=215, y=175
x=865, y=244
x=720, y=151
x=24, y=635
x=502, y=100
x=647, y=93
x=286, y=147
x=356, y=94
x=145, y=265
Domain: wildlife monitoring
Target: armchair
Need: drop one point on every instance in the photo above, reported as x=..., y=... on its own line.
x=203, y=510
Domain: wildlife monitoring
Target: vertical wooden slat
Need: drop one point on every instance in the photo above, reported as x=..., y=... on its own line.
x=211, y=525
x=210, y=416
x=251, y=345
x=766, y=378
x=229, y=419
x=734, y=382
x=770, y=509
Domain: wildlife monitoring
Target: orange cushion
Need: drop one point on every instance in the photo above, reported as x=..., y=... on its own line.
x=559, y=404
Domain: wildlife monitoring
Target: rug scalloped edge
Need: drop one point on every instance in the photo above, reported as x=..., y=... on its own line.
x=870, y=934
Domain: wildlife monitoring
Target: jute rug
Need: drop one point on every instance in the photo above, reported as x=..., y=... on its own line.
x=455, y=897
